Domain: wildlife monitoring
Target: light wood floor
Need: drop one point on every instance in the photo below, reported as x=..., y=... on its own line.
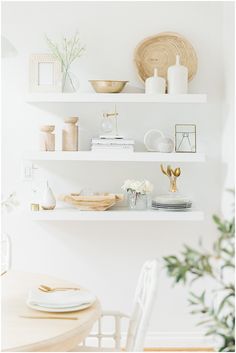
x=180, y=349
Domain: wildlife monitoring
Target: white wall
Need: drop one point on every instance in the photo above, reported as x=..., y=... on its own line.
x=107, y=257
x=228, y=111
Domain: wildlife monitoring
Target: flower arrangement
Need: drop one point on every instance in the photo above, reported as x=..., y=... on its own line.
x=139, y=187
x=137, y=193
x=67, y=52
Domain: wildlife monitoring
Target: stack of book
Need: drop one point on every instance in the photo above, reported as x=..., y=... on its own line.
x=112, y=144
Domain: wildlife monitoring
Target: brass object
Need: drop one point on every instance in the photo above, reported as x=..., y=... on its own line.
x=169, y=171
x=112, y=115
x=34, y=207
x=163, y=170
x=108, y=86
x=45, y=288
x=172, y=174
x=185, y=138
x=177, y=172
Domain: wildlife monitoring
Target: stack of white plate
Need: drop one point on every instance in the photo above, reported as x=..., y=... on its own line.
x=171, y=202
x=61, y=301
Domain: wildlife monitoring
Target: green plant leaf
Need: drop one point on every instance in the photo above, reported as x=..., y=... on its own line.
x=213, y=306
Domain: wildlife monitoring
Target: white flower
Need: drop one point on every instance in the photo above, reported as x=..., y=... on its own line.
x=141, y=187
x=127, y=184
x=148, y=186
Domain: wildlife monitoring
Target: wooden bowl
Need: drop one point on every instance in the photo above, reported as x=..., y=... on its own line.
x=108, y=86
x=101, y=202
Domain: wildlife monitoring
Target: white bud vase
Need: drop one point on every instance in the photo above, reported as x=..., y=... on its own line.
x=177, y=77
x=155, y=84
x=48, y=201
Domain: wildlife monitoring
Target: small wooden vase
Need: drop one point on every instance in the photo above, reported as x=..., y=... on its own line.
x=47, y=138
x=70, y=135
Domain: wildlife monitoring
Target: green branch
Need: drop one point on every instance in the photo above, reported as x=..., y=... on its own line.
x=194, y=264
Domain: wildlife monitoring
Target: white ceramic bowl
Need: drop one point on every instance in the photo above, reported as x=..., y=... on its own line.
x=151, y=140
x=165, y=145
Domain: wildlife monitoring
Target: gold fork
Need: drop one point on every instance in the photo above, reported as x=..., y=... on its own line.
x=45, y=288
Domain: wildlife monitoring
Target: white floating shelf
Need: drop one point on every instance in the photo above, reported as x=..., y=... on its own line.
x=115, y=156
x=114, y=97
x=116, y=215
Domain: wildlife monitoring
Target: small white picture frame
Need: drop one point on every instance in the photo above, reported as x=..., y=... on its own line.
x=45, y=73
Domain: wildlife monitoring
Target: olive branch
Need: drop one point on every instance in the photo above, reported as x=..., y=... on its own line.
x=218, y=317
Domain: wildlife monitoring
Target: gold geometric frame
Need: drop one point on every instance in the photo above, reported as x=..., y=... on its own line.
x=179, y=132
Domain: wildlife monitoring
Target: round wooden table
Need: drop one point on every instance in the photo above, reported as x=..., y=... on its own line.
x=39, y=335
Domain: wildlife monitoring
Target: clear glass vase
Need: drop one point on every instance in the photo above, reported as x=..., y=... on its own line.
x=70, y=82
x=137, y=201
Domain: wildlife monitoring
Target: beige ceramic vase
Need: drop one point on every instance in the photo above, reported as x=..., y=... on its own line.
x=48, y=201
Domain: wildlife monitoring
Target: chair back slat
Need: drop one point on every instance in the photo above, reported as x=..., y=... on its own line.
x=143, y=303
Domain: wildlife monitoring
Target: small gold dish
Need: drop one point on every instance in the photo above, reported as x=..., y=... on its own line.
x=34, y=207
x=108, y=86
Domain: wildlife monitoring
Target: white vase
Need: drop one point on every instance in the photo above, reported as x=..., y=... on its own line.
x=137, y=201
x=177, y=78
x=155, y=84
x=48, y=201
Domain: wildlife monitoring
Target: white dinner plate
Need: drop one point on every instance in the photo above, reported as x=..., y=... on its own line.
x=172, y=209
x=59, y=310
x=172, y=198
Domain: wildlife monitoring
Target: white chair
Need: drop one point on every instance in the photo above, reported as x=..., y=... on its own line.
x=138, y=321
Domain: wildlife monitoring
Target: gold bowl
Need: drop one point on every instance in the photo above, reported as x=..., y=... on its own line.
x=108, y=86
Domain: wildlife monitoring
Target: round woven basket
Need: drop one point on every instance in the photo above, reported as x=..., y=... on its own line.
x=160, y=51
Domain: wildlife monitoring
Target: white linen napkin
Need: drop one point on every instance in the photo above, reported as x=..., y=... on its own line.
x=60, y=299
